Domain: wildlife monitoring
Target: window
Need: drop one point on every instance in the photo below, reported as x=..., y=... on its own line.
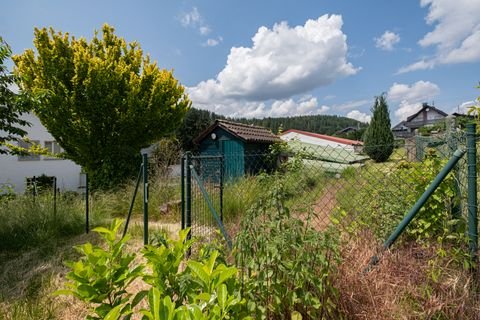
x=53, y=148
x=27, y=145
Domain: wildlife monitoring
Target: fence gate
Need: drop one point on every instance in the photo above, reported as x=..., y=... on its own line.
x=202, y=195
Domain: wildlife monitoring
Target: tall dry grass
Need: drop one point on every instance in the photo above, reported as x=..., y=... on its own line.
x=410, y=282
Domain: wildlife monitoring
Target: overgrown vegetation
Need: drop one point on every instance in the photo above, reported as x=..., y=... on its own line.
x=29, y=221
x=287, y=264
x=391, y=195
x=429, y=261
x=204, y=289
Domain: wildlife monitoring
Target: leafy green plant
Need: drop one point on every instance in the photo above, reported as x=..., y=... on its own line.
x=205, y=289
x=287, y=266
x=164, y=260
x=101, y=276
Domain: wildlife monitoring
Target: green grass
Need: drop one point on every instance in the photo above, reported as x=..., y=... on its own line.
x=27, y=221
x=303, y=187
x=116, y=203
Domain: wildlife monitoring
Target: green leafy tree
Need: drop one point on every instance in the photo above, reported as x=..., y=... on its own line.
x=378, y=139
x=10, y=111
x=101, y=100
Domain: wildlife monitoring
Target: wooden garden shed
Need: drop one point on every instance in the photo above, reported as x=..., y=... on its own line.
x=243, y=147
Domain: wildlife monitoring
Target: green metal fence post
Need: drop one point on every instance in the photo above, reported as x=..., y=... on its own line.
x=139, y=176
x=182, y=186
x=452, y=143
x=87, y=223
x=222, y=161
x=55, y=198
x=472, y=190
x=421, y=201
x=34, y=188
x=145, y=198
x=457, y=155
x=188, y=191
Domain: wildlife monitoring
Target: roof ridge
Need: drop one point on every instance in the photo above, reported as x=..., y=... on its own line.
x=243, y=124
x=325, y=136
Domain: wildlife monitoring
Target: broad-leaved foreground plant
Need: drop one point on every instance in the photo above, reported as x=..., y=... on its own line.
x=101, y=277
x=204, y=289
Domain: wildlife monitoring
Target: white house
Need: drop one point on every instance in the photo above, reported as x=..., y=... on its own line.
x=14, y=170
x=320, y=139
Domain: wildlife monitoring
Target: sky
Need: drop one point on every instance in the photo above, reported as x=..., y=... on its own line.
x=284, y=58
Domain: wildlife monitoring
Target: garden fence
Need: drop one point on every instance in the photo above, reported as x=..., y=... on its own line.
x=332, y=185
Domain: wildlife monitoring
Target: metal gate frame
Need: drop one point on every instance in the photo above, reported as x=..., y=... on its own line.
x=196, y=178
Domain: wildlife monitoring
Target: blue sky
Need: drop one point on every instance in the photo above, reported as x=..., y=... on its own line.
x=283, y=58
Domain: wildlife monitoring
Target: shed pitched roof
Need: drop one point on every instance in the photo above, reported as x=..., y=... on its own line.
x=399, y=126
x=325, y=137
x=425, y=106
x=245, y=132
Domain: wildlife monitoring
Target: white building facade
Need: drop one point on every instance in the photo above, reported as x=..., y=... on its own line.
x=15, y=170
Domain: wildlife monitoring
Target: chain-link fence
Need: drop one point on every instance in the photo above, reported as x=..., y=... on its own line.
x=340, y=192
x=331, y=183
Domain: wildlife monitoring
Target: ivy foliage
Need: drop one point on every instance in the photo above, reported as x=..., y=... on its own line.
x=102, y=100
x=378, y=139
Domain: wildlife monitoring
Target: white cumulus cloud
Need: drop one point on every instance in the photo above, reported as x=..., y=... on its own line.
x=455, y=36
x=282, y=62
x=360, y=116
x=465, y=106
x=289, y=107
x=387, y=40
x=411, y=97
x=306, y=105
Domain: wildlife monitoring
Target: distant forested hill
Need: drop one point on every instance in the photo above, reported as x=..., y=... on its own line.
x=197, y=120
x=324, y=124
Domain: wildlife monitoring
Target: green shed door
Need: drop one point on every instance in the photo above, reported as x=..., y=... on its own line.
x=234, y=158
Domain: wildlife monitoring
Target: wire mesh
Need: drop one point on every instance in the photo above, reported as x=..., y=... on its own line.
x=327, y=183
x=342, y=188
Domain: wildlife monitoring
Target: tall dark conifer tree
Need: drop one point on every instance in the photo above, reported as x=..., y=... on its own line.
x=378, y=139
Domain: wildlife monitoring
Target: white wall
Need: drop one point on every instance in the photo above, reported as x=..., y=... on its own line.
x=14, y=172
x=316, y=141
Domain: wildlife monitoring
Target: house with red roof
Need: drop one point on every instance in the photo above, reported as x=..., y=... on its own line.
x=321, y=151
x=322, y=140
